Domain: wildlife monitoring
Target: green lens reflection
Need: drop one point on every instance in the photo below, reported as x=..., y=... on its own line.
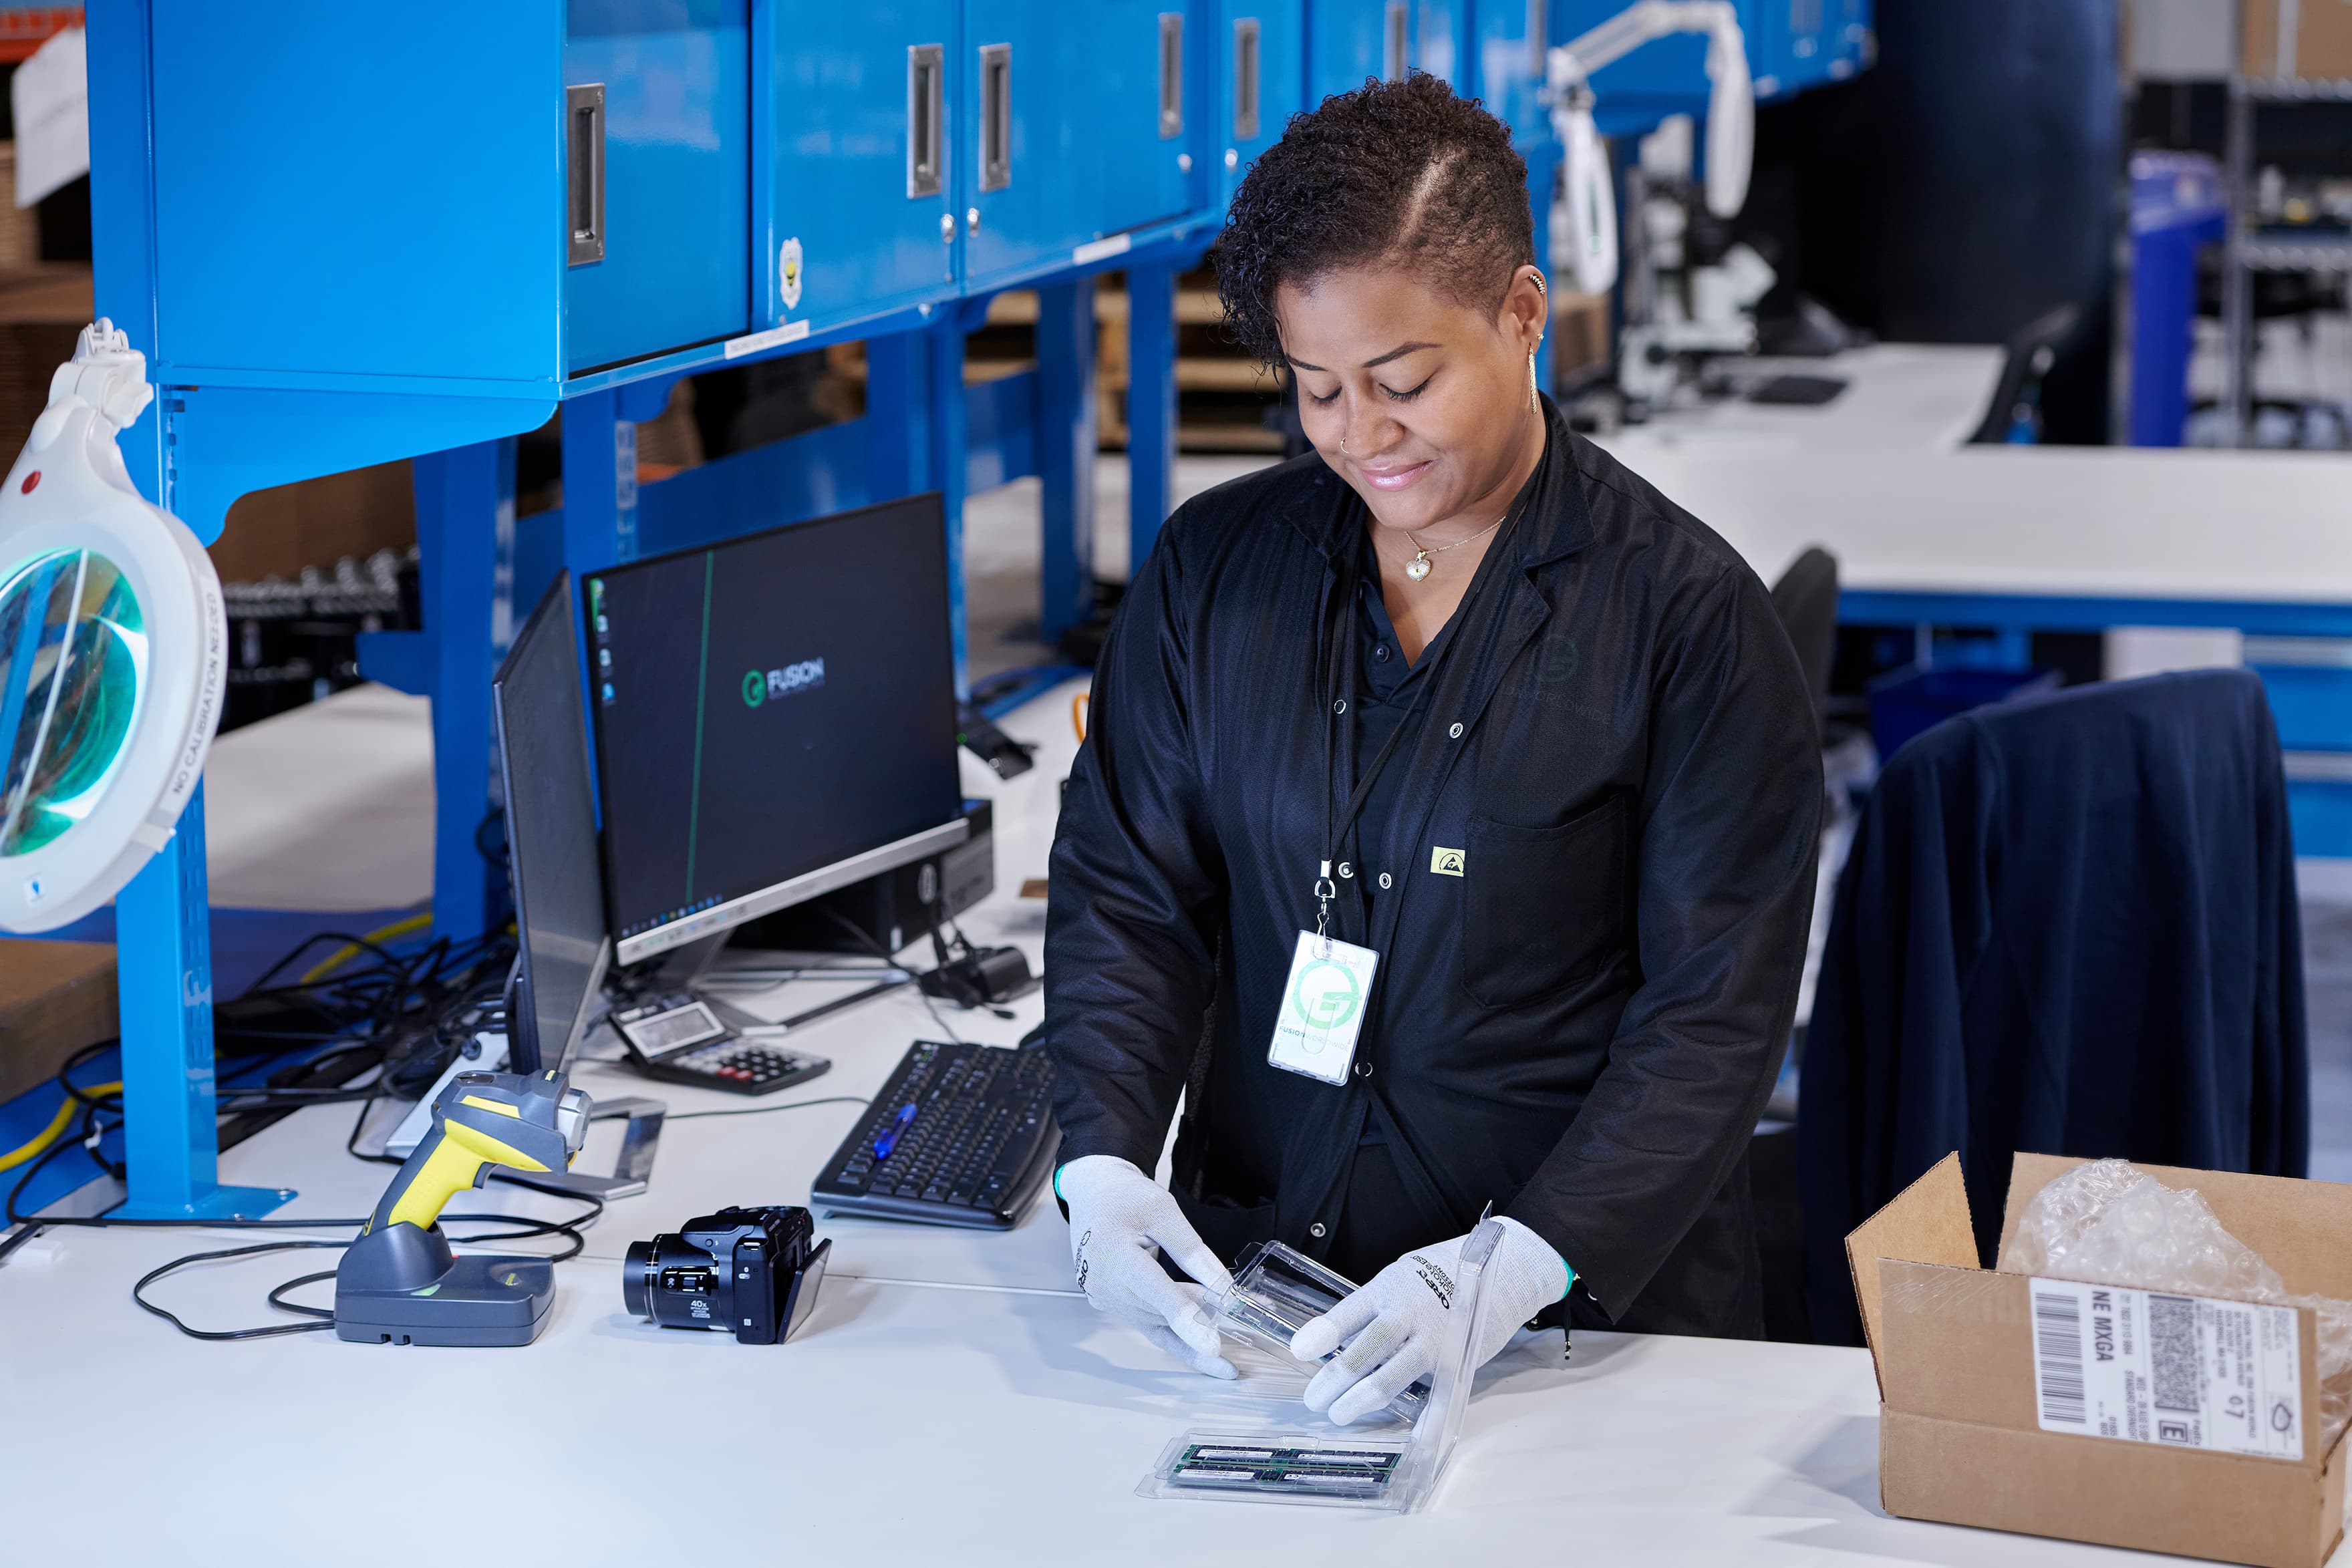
x=73, y=661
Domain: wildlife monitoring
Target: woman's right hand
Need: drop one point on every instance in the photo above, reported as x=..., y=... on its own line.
x=1120, y=1220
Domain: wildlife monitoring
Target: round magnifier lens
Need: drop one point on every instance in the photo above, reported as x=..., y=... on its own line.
x=73, y=662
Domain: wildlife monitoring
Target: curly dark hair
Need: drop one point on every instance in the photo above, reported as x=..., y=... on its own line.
x=1399, y=173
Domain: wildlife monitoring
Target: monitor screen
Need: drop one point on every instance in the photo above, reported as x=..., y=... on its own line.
x=558, y=889
x=775, y=717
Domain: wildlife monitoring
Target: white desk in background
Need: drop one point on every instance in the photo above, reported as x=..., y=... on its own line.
x=1899, y=397
x=952, y=1399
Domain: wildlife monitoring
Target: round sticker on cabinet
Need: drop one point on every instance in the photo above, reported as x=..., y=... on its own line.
x=788, y=273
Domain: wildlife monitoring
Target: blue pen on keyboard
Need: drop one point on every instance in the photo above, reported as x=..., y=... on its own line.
x=891, y=1133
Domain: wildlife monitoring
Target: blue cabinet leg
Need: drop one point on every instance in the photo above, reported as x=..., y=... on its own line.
x=1065, y=453
x=1151, y=405
x=944, y=350
x=600, y=482
x=165, y=984
x=915, y=437
x=465, y=500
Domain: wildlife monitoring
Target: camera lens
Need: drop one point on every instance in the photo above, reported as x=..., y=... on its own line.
x=637, y=1279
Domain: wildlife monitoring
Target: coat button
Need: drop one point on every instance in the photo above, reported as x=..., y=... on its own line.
x=1380, y=653
x=1384, y=879
x=1363, y=1070
x=1456, y=731
x=1315, y=1230
x=1340, y=706
x=1347, y=869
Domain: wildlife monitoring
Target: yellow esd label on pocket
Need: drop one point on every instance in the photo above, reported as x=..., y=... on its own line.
x=1444, y=861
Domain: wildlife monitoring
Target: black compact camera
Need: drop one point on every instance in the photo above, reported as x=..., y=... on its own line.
x=752, y=1271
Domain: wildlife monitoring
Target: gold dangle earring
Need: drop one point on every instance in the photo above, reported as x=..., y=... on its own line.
x=1534, y=400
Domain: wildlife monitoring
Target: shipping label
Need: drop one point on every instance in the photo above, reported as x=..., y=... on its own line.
x=2151, y=1367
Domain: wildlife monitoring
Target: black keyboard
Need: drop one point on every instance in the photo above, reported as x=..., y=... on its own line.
x=961, y=1134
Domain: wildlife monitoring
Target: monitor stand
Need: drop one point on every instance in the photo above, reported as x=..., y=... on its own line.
x=685, y=972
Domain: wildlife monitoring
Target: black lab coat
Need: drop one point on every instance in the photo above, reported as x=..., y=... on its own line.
x=1581, y=1028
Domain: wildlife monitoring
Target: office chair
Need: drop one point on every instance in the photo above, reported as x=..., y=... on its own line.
x=2015, y=412
x=1806, y=600
x=2068, y=926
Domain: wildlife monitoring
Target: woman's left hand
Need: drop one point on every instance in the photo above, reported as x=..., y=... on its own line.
x=1394, y=1328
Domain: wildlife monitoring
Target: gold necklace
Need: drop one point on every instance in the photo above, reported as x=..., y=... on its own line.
x=1419, y=566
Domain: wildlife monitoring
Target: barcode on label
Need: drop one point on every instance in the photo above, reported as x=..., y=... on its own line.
x=2173, y=1374
x=2058, y=1356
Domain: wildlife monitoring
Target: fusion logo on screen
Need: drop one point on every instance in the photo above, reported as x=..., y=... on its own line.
x=759, y=685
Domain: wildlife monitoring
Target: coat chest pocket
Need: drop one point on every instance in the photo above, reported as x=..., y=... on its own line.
x=1543, y=908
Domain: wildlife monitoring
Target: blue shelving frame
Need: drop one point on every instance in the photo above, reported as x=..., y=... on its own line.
x=221, y=428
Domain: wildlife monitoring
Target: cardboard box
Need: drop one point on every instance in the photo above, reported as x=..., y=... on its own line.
x=2308, y=38
x=1960, y=1437
x=54, y=999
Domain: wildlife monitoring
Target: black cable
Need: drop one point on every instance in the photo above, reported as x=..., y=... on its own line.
x=763, y=1110
x=859, y=932
x=16, y=1239
x=138, y=1292
x=277, y=1297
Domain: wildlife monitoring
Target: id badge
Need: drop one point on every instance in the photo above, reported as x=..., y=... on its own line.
x=1322, y=1007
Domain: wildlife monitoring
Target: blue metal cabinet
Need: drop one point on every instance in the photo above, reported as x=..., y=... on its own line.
x=1437, y=40
x=1264, y=82
x=1509, y=44
x=862, y=142
x=1348, y=41
x=363, y=225
x=1076, y=128
x=667, y=139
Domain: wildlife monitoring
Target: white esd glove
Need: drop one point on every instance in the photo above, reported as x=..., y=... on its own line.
x=1118, y=1218
x=1395, y=1328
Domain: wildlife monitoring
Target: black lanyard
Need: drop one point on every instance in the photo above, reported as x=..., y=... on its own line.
x=1335, y=827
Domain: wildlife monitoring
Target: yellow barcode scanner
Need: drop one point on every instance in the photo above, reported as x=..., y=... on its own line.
x=400, y=1283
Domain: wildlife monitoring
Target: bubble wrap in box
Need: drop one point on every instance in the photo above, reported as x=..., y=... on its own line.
x=2110, y=1223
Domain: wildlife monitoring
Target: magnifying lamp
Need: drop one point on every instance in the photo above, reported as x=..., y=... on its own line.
x=114, y=651
x=1590, y=185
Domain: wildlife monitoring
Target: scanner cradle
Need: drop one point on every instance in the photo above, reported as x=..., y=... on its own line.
x=401, y=1284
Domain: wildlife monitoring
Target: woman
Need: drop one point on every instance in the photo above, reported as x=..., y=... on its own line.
x=1444, y=836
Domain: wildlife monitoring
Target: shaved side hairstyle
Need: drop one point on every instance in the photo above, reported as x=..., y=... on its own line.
x=1398, y=175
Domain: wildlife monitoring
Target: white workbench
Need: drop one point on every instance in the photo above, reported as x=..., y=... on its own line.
x=1899, y=397
x=951, y=1400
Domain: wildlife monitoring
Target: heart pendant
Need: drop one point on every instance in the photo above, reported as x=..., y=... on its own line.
x=1417, y=567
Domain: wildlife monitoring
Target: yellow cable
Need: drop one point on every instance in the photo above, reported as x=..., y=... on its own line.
x=350, y=950
x=55, y=1130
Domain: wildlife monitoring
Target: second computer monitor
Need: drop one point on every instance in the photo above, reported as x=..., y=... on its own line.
x=775, y=719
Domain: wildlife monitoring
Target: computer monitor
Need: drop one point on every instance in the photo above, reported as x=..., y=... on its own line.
x=775, y=719
x=558, y=886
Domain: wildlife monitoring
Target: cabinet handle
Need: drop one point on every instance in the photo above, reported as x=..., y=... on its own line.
x=1394, y=42
x=1171, y=74
x=924, y=103
x=583, y=217
x=1245, y=79
x=995, y=116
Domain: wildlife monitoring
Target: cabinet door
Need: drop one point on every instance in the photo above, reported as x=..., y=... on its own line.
x=862, y=198
x=1510, y=66
x=1264, y=81
x=1436, y=41
x=657, y=171
x=1351, y=41
x=424, y=242
x=1077, y=121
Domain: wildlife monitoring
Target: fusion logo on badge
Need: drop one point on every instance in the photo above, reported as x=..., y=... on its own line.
x=1326, y=995
x=759, y=685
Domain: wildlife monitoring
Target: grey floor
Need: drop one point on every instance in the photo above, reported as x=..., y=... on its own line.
x=2327, y=995
x=1001, y=553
